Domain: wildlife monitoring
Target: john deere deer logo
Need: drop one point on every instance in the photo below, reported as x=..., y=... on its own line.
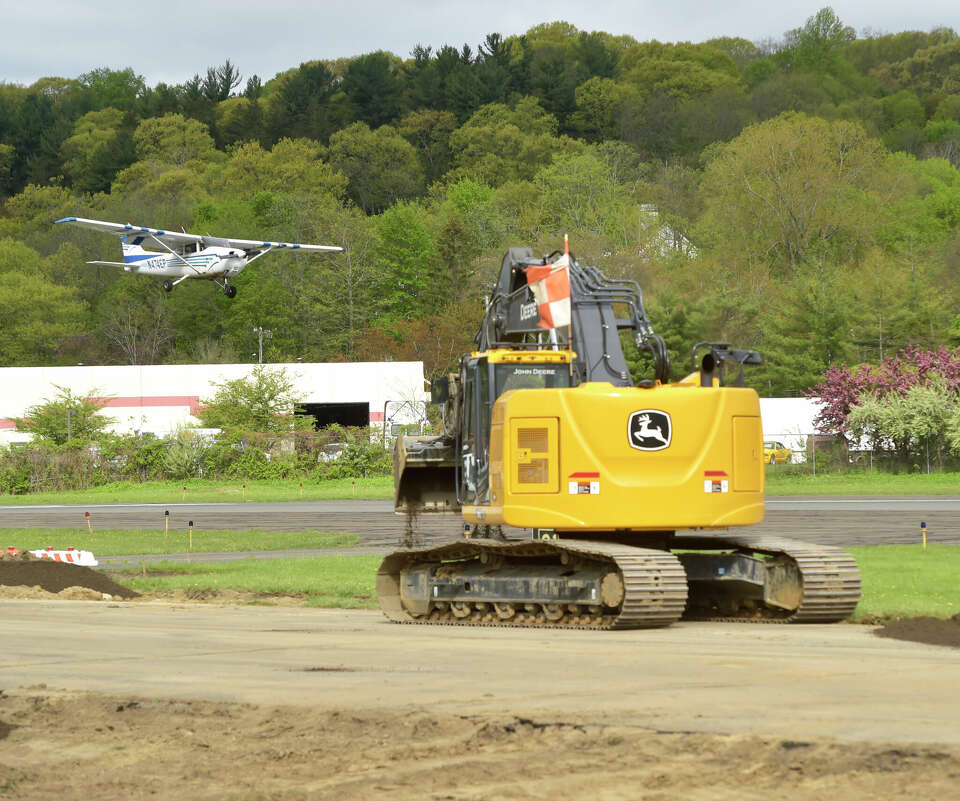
x=649, y=430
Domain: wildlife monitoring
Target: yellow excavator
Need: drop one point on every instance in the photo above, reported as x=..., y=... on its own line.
x=634, y=495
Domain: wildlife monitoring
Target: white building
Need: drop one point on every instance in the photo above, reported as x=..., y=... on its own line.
x=162, y=398
x=789, y=421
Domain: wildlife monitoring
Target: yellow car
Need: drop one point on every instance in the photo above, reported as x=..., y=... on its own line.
x=775, y=453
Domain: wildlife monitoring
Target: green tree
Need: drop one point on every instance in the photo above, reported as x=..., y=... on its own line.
x=55, y=418
x=45, y=117
x=683, y=72
x=17, y=257
x=7, y=158
x=932, y=72
x=155, y=192
x=294, y=167
x=579, y=196
x=674, y=189
x=348, y=282
x=117, y=89
x=263, y=401
x=407, y=255
x=780, y=93
x=948, y=108
x=299, y=296
x=239, y=119
x=380, y=165
x=300, y=104
x=173, y=139
x=717, y=117
x=38, y=316
x=135, y=322
x=27, y=217
x=600, y=103
x=805, y=329
x=870, y=53
x=100, y=147
x=373, y=88
x=473, y=204
x=553, y=66
x=499, y=144
x=918, y=424
x=819, y=45
x=429, y=132
x=219, y=83
x=953, y=431
x=793, y=190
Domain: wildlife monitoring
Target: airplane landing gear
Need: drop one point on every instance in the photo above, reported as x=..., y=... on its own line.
x=168, y=285
x=229, y=290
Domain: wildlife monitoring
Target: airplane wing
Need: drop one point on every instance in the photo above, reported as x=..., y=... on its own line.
x=126, y=229
x=259, y=244
x=179, y=238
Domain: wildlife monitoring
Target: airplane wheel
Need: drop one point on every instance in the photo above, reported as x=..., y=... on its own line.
x=168, y=286
x=230, y=291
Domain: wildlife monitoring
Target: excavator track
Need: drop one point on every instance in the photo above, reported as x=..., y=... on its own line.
x=829, y=579
x=648, y=586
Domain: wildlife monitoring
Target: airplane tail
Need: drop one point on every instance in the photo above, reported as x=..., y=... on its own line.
x=133, y=251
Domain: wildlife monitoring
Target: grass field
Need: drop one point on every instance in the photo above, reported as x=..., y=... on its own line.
x=905, y=580
x=862, y=483
x=199, y=491
x=116, y=542
x=898, y=580
x=345, y=582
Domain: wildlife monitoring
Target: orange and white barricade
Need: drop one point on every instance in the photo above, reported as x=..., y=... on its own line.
x=71, y=556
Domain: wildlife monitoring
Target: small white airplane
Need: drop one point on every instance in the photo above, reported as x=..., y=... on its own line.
x=187, y=255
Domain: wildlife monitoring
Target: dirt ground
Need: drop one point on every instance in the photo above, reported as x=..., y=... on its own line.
x=58, y=745
x=61, y=745
x=55, y=577
x=39, y=579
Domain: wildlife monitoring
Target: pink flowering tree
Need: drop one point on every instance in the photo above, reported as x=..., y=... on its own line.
x=843, y=387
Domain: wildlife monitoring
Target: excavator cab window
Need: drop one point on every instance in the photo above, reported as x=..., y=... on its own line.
x=531, y=376
x=475, y=438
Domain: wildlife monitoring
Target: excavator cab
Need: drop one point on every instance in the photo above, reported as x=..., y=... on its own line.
x=484, y=378
x=442, y=473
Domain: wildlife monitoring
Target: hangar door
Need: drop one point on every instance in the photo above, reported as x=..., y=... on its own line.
x=345, y=414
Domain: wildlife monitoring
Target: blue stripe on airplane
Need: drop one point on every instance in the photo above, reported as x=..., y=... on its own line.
x=197, y=261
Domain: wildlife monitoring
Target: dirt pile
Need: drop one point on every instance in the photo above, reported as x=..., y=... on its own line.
x=118, y=747
x=23, y=573
x=930, y=630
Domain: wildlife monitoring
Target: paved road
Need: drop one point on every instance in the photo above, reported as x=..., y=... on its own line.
x=829, y=520
x=793, y=682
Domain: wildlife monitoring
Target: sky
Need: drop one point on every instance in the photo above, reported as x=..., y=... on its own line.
x=170, y=42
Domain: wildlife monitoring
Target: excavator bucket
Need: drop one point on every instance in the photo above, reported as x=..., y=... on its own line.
x=424, y=471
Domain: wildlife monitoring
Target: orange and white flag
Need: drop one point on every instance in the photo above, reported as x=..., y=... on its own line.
x=550, y=285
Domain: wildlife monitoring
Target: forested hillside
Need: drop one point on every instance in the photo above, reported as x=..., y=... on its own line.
x=798, y=196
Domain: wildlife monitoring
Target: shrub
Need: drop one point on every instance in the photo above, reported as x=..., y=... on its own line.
x=184, y=454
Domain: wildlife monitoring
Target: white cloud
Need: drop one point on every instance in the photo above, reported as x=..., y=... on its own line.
x=172, y=42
